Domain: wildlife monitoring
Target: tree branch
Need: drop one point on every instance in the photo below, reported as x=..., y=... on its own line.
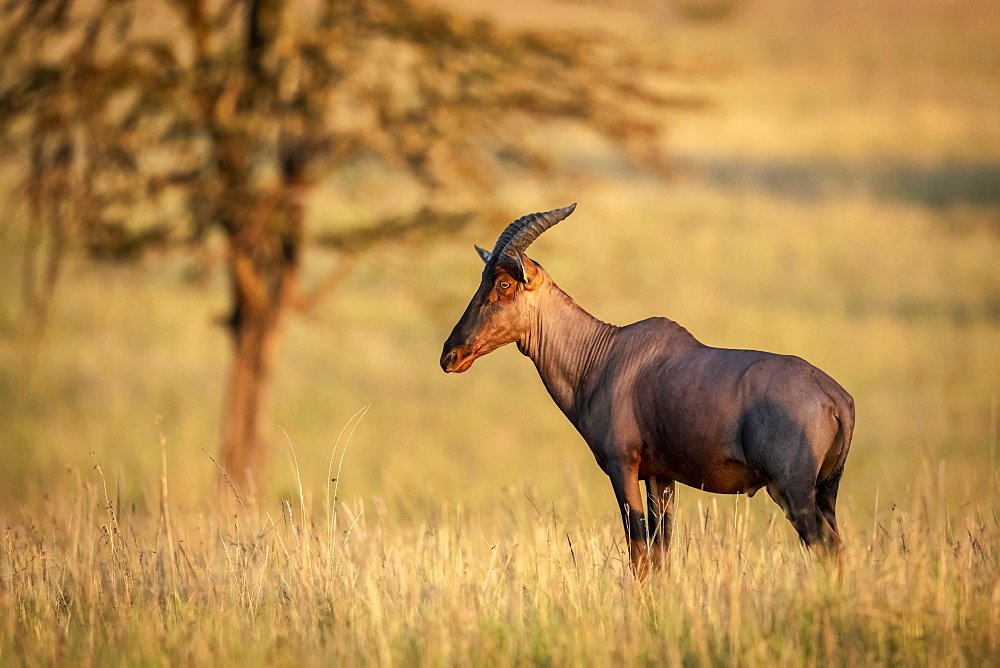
x=425, y=222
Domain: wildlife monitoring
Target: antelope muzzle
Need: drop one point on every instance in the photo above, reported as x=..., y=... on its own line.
x=456, y=358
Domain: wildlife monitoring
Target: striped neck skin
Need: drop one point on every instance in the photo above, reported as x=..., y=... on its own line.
x=566, y=344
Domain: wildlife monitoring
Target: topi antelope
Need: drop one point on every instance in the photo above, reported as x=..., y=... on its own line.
x=655, y=404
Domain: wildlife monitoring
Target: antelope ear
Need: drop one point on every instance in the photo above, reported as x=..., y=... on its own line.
x=518, y=269
x=522, y=269
x=483, y=253
x=529, y=271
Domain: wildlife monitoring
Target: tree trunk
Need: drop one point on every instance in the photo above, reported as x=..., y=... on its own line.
x=264, y=228
x=263, y=263
x=254, y=339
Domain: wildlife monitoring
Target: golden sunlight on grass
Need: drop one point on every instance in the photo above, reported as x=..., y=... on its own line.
x=88, y=581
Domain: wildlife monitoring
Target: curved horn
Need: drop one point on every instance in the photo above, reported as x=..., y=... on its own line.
x=519, y=234
x=483, y=253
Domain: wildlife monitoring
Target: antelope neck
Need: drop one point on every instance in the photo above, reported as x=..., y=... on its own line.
x=567, y=345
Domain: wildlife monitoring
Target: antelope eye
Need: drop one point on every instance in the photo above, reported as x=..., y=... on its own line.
x=504, y=285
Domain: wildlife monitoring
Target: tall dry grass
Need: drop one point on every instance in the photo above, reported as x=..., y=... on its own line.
x=89, y=580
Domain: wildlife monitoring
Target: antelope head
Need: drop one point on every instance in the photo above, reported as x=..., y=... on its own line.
x=502, y=308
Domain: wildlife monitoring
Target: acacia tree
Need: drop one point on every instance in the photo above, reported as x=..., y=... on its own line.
x=149, y=123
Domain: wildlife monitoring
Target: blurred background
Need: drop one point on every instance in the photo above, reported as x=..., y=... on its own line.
x=253, y=219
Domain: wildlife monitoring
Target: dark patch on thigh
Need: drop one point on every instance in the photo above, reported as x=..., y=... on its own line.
x=776, y=444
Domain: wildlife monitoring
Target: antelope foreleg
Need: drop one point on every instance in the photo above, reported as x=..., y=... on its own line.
x=626, y=484
x=660, y=508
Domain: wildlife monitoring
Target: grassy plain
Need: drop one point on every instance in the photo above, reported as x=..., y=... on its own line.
x=468, y=529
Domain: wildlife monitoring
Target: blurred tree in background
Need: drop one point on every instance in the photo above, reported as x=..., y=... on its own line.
x=152, y=124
